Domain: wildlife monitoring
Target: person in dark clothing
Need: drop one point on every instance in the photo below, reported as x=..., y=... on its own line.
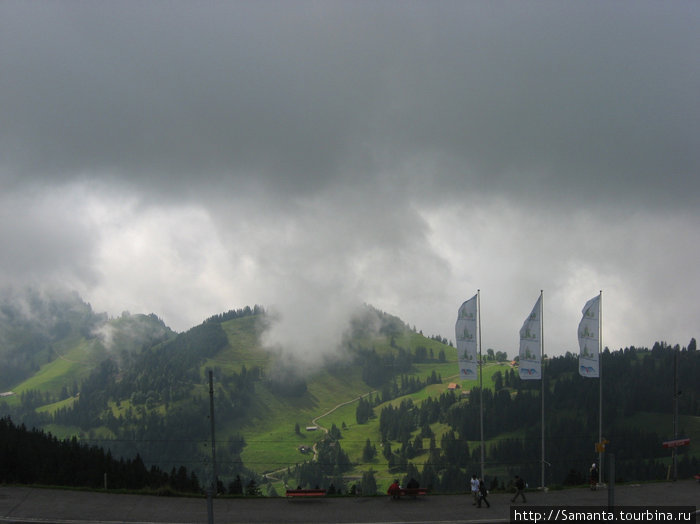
x=593, y=472
x=519, y=489
x=483, y=494
x=412, y=484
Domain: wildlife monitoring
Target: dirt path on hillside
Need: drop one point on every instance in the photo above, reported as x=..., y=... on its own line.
x=315, y=420
x=272, y=475
x=325, y=429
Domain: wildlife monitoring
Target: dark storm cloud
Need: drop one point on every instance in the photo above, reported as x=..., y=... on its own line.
x=397, y=153
x=502, y=95
x=170, y=90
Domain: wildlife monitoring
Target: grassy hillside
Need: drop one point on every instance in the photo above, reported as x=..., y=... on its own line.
x=73, y=362
x=143, y=389
x=272, y=443
x=331, y=397
x=72, y=357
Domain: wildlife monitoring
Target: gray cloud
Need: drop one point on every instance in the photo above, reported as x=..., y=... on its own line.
x=183, y=159
x=44, y=239
x=500, y=95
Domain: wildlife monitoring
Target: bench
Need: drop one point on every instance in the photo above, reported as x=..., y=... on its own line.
x=305, y=493
x=412, y=492
x=697, y=477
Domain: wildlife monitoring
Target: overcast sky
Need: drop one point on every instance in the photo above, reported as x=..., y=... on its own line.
x=187, y=158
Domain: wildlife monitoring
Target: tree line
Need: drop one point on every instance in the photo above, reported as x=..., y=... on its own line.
x=35, y=457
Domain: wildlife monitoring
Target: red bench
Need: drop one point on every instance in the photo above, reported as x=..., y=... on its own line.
x=412, y=492
x=305, y=493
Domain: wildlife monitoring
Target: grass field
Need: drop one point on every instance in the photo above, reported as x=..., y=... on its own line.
x=332, y=398
x=68, y=368
x=283, y=443
x=52, y=408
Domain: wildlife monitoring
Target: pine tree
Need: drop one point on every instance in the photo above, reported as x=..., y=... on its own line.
x=387, y=451
x=368, y=452
x=252, y=489
x=236, y=486
x=369, y=483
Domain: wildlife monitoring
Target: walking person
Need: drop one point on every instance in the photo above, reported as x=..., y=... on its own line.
x=483, y=494
x=475, y=489
x=519, y=489
x=593, y=472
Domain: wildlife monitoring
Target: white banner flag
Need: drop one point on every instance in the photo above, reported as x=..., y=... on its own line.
x=530, y=361
x=589, y=339
x=465, y=333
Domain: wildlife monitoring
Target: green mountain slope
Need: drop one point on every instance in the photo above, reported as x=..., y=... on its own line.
x=51, y=342
x=133, y=386
x=269, y=428
x=34, y=326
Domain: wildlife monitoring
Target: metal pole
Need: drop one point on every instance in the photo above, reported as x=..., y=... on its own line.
x=601, y=474
x=611, y=482
x=210, y=507
x=211, y=492
x=481, y=383
x=542, y=375
x=213, y=438
x=675, y=413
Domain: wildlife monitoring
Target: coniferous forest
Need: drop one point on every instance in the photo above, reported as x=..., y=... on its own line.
x=34, y=457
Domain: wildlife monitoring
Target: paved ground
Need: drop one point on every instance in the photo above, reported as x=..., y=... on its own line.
x=34, y=505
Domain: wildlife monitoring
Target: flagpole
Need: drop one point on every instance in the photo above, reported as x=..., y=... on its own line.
x=542, y=374
x=481, y=382
x=600, y=393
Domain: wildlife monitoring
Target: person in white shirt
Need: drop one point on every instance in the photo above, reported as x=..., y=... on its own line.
x=475, y=489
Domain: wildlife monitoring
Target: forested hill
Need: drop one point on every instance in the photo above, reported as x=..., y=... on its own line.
x=637, y=415
x=637, y=419
x=131, y=386
x=37, y=328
